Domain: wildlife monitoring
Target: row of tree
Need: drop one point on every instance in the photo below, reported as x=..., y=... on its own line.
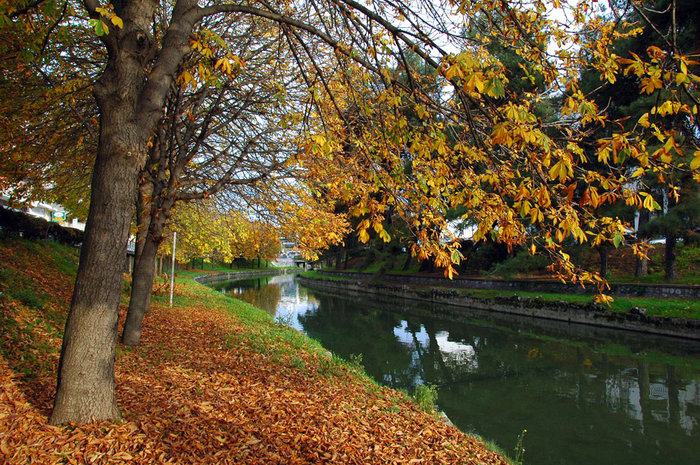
x=317, y=111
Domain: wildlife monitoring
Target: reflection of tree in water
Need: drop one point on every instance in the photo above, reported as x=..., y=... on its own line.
x=261, y=292
x=265, y=297
x=346, y=327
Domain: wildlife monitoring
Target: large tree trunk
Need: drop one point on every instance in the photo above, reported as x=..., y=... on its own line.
x=642, y=267
x=407, y=263
x=85, y=388
x=156, y=203
x=130, y=106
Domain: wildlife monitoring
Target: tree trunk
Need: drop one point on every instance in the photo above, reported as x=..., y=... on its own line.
x=670, y=259
x=427, y=266
x=407, y=263
x=641, y=268
x=140, y=300
x=338, y=256
x=143, y=217
x=603, y=253
x=142, y=279
x=130, y=95
x=86, y=383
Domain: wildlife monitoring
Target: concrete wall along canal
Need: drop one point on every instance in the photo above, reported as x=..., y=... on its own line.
x=591, y=314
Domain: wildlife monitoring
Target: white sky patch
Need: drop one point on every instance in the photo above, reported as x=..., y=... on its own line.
x=405, y=336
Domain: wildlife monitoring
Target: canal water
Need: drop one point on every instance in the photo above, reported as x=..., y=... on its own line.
x=585, y=395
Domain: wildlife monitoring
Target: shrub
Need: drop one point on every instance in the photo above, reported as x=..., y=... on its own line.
x=426, y=397
x=522, y=262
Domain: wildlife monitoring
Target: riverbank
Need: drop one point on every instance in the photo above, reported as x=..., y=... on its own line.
x=214, y=381
x=545, y=286
x=538, y=306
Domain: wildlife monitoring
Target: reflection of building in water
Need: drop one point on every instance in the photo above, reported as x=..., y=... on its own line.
x=435, y=350
x=277, y=295
x=293, y=302
x=652, y=396
x=649, y=395
x=457, y=353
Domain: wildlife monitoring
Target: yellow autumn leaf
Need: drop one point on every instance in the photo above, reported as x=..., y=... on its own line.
x=638, y=172
x=648, y=201
x=117, y=21
x=651, y=83
x=644, y=120
x=695, y=163
x=364, y=236
x=559, y=170
x=385, y=235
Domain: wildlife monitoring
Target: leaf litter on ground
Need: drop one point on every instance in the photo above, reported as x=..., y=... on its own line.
x=212, y=385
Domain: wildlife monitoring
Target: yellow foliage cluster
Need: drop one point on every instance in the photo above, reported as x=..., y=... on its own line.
x=482, y=148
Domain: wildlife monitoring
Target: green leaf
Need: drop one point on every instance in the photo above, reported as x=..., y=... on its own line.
x=100, y=27
x=494, y=88
x=617, y=240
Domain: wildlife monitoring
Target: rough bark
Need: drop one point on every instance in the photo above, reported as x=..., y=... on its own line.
x=130, y=105
x=140, y=300
x=86, y=383
x=143, y=217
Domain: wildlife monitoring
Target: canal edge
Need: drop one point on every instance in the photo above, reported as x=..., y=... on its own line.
x=591, y=314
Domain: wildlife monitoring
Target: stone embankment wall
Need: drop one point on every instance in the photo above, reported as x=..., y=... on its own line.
x=207, y=279
x=455, y=302
x=526, y=285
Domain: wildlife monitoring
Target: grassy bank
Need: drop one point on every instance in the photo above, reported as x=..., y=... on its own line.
x=665, y=308
x=214, y=381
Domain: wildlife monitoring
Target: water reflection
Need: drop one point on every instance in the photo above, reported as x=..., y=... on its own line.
x=585, y=395
x=280, y=296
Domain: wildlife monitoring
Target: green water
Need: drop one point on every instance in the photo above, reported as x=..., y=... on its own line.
x=585, y=395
